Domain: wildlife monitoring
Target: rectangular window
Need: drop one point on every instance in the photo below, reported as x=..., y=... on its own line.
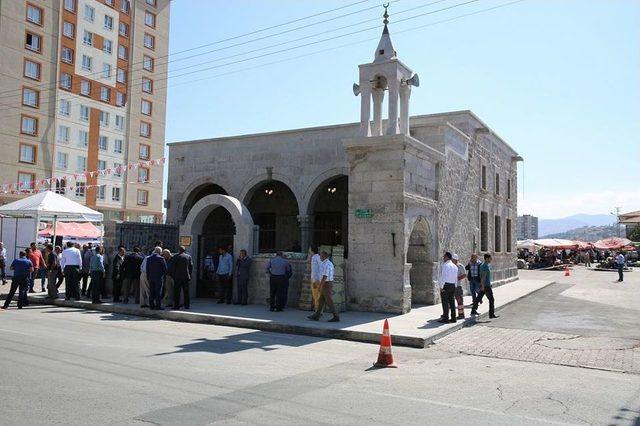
x=143, y=175
x=68, y=29
x=121, y=76
x=145, y=129
x=87, y=62
x=120, y=99
x=509, y=247
x=508, y=189
x=83, y=138
x=143, y=197
x=145, y=107
x=27, y=154
x=64, y=107
x=103, y=143
x=484, y=231
x=84, y=113
x=107, y=46
x=108, y=22
x=65, y=81
x=63, y=160
x=33, y=42
x=151, y=2
x=123, y=53
x=483, y=177
x=117, y=146
x=109, y=2
x=100, y=192
x=34, y=14
x=30, y=97
x=497, y=235
x=497, y=186
x=89, y=13
x=105, y=94
x=29, y=125
x=117, y=169
x=119, y=123
x=80, y=189
x=61, y=186
x=149, y=41
x=85, y=87
x=70, y=5
x=125, y=6
x=87, y=38
x=26, y=180
x=63, y=134
x=102, y=165
x=104, y=119
x=144, y=152
x=31, y=69
x=147, y=63
x=149, y=19
x=115, y=194
x=106, y=70
x=147, y=85
x=67, y=55
x=123, y=29
x=81, y=163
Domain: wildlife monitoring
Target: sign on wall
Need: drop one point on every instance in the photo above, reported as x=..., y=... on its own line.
x=364, y=213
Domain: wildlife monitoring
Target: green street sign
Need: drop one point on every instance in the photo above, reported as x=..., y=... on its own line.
x=364, y=213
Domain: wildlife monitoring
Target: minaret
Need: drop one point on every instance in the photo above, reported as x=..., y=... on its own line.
x=386, y=72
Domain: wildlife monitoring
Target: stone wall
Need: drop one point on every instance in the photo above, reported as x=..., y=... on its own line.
x=259, y=279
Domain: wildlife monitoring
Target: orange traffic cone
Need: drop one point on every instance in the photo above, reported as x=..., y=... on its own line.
x=566, y=271
x=385, y=357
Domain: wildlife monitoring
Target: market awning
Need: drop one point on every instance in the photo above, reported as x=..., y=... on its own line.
x=613, y=243
x=582, y=245
x=527, y=244
x=72, y=230
x=556, y=243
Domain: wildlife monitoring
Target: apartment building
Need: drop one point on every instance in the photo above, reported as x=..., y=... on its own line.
x=527, y=227
x=82, y=89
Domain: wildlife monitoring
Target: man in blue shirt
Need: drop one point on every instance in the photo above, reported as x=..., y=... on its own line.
x=279, y=270
x=485, y=287
x=620, y=265
x=22, y=269
x=225, y=273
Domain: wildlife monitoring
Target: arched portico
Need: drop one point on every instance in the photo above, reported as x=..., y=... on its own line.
x=197, y=191
x=419, y=255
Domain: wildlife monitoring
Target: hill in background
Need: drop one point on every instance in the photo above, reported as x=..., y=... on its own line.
x=588, y=233
x=546, y=227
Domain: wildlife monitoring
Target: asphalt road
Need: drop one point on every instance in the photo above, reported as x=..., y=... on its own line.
x=66, y=366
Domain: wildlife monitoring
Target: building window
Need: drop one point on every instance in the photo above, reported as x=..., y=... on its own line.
x=29, y=125
x=33, y=42
x=70, y=5
x=106, y=70
x=151, y=2
x=125, y=6
x=483, y=177
x=103, y=143
x=65, y=81
x=149, y=41
x=115, y=194
x=143, y=197
x=63, y=160
x=508, y=189
x=26, y=180
x=87, y=38
x=123, y=29
x=145, y=107
x=105, y=94
x=120, y=99
x=83, y=138
x=147, y=85
x=34, y=14
x=102, y=165
x=147, y=63
x=81, y=164
x=87, y=62
x=117, y=169
x=509, y=247
x=484, y=231
x=109, y=2
x=61, y=186
x=144, y=152
x=85, y=87
x=117, y=146
x=68, y=29
x=67, y=55
x=121, y=76
x=80, y=189
x=119, y=123
x=143, y=175
x=65, y=107
x=497, y=184
x=104, y=119
x=63, y=134
x=108, y=22
x=122, y=52
x=149, y=19
x=89, y=13
x=27, y=154
x=30, y=97
x=497, y=235
x=145, y=129
x=107, y=46
x=100, y=192
x=84, y=113
x=31, y=69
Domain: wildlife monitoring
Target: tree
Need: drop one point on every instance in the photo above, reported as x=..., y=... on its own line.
x=634, y=235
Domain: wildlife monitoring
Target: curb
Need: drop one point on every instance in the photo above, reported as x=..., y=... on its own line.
x=265, y=325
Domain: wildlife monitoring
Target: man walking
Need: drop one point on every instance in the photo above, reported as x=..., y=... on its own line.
x=459, y=294
x=225, y=274
x=278, y=269
x=620, y=261
x=3, y=263
x=22, y=269
x=243, y=268
x=71, y=262
x=326, y=290
x=448, y=280
x=473, y=276
x=485, y=287
x=316, y=277
x=180, y=270
x=156, y=270
x=131, y=275
x=116, y=273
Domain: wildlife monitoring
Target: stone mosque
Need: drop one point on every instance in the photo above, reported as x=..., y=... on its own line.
x=388, y=196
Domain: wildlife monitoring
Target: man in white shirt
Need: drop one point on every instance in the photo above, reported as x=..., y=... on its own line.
x=326, y=290
x=447, y=283
x=459, y=294
x=71, y=262
x=316, y=276
x=3, y=263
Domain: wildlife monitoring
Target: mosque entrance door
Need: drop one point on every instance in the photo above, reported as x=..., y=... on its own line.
x=218, y=231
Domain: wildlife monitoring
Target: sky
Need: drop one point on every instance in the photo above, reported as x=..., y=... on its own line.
x=559, y=80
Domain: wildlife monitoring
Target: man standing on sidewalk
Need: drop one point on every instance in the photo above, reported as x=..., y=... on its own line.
x=278, y=269
x=116, y=273
x=225, y=275
x=22, y=269
x=326, y=290
x=620, y=264
x=181, y=269
x=316, y=277
x=156, y=269
x=52, y=271
x=35, y=256
x=459, y=294
x=473, y=275
x=3, y=263
x=448, y=280
x=485, y=287
x=131, y=275
x=71, y=262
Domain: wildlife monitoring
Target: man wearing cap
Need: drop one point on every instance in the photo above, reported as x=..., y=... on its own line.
x=462, y=274
x=447, y=282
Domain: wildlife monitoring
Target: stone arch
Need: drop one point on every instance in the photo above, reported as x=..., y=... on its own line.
x=195, y=191
x=254, y=183
x=307, y=198
x=419, y=254
x=328, y=211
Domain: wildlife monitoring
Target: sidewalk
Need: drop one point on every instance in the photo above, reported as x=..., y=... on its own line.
x=417, y=328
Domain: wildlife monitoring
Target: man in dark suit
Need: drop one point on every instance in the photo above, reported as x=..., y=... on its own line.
x=181, y=270
x=131, y=275
x=116, y=273
x=156, y=270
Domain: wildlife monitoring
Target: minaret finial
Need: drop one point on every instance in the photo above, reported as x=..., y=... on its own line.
x=386, y=14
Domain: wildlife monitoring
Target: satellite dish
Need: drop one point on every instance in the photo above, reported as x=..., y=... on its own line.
x=356, y=89
x=414, y=81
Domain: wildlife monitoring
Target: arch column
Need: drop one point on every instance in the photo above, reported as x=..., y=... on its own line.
x=405, y=94
x=392, y=125
x=365, y=111
x=378, y=98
